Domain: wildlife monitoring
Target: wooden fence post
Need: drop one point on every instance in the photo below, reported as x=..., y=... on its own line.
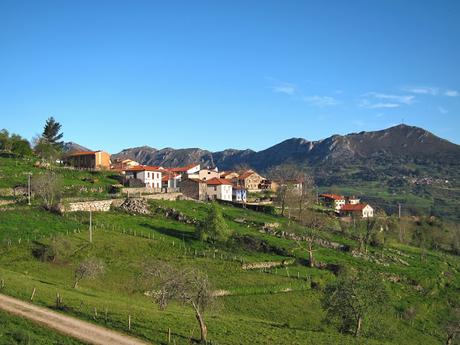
x=33, y=294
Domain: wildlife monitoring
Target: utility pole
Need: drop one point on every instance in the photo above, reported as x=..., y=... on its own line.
x=399, y=210
x=29, y=189
x=90, y=226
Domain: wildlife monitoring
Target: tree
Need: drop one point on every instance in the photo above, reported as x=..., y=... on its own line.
x=189, y=286
x=313, y=221
x=48, y=188
x=214, y=229
x=88, y=269
x=5, y=144
x=46, y=150
x=352, y=298
x=283, y=175
x=20, y=146
x=51, y=132
x=364, y=230
x=14, y=144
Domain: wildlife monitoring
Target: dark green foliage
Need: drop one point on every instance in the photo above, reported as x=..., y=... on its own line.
x=52, y=132
x=14, y=144
x=351, y=300
x=214, y=229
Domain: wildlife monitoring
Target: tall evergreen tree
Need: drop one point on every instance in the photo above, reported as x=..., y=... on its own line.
x=51, y=132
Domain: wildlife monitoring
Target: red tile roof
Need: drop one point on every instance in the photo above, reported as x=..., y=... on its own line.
x=332, y=196
x=145, y=168
x=245, y=175
x=353, y=208
x=218, y=181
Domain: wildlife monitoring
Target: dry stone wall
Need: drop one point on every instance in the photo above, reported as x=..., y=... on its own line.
x=86, y=206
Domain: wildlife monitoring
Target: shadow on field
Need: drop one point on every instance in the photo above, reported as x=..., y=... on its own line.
x=185, y=236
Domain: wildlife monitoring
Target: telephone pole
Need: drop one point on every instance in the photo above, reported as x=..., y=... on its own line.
x=399, y=210
x=29, y=189
x=90, y=226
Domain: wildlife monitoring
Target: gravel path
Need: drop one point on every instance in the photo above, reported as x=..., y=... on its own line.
x=70, y=326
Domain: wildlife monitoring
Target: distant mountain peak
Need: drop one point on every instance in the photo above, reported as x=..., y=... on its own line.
x=74, y=147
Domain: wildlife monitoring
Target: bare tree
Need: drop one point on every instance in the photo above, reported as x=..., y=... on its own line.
x=88, y=269
x=189, y=286
x=48, y=188
x=312, y=222
x=283, y=175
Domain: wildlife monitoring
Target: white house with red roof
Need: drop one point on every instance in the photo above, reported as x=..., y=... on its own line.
x=333, y=200
x=360, y=210
x=220, y=189
x=150, y=176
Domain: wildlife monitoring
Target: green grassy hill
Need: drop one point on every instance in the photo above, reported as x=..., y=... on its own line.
x=256, y=312
x=272, y=306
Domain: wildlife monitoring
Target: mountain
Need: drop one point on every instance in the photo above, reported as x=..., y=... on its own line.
x=398, y=165
x=72, y=147
x=396, y=142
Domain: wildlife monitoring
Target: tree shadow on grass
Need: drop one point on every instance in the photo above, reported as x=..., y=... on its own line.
x=186, y=236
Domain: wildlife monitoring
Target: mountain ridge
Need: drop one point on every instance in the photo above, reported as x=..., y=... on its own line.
x=397, y=141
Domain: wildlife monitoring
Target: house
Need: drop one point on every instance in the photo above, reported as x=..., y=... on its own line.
x=250, y=180
x=170, y=180
x=334, y=201
x=353, y=200
x=92, y=160
x=150, y=177
x=187, y=170
x=194, y=188
x=220, y=189
x=357, y=210
x=239, y=194
x=229, y=175
x=206, y=174
x=122, y=164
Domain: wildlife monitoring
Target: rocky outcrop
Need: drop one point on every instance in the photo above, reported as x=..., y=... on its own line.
x=135, y=206
x=176, y=215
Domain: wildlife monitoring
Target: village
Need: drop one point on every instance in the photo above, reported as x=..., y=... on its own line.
x=207, y=183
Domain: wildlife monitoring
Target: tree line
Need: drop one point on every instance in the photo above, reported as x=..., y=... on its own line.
x=48, y=146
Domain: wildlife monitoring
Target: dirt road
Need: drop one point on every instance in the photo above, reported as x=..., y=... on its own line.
x=81, y=330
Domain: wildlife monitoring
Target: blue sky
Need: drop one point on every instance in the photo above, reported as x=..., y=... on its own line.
x=220, y=74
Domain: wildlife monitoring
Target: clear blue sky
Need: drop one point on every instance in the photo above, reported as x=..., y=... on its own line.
x=219, y=74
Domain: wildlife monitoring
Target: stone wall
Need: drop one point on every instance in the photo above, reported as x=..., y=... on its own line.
x=166, y=196
x=86, y=206
x=270, y=264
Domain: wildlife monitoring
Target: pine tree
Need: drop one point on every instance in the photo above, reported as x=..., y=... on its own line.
x=51, y=132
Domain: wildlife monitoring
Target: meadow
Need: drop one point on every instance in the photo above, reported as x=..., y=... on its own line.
x=271, y=306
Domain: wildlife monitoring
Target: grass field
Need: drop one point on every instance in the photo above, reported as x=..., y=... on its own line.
x=256, y=312
x=17, y=331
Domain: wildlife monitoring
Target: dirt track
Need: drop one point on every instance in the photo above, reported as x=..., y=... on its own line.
x=81, y=330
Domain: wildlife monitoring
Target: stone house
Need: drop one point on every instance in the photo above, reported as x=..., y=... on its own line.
x=250, y=180
x=194, y=188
